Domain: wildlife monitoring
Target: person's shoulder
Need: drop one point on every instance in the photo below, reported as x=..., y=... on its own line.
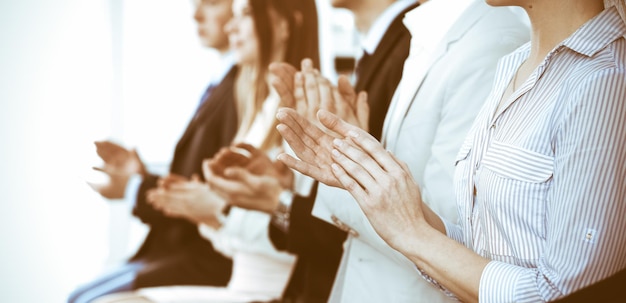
x=497, y=31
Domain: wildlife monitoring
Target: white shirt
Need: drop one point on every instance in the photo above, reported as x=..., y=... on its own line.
x=371, y=39
x=258, y=268
x=549, y=169
x=222, y=67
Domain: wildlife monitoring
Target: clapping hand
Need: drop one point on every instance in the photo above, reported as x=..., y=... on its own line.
x=358, y=163
x=119, y=165
x=255, y=185
x=307, y=91
x=192, y=199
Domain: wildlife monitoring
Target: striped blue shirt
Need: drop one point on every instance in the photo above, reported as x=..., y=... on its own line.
x=541, y=183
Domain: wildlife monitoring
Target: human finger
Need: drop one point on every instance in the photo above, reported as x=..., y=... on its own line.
x=347, y=92
x=312, y=93
x=367, y=143
x=357, y=163
x=336, y=124
x=348, y=183
x=282, y=80
x=327, y=100
x=254, y=152
x=299, y=93
x=227, y=187
x=302, y=136
x=363, y=111
x=306, y=65
x=304, y=168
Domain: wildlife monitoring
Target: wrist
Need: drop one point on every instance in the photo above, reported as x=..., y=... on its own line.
x=413, y=241
x=282, y=212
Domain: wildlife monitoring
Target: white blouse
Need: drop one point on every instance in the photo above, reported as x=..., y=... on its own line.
x=260, y=272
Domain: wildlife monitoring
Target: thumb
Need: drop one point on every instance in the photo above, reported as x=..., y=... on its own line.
x=237, y=174
x=363, y=111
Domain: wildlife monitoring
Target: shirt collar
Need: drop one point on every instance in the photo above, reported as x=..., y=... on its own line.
x=429, y=22
x=370, y=40
x=224, y=64
x=597, y=33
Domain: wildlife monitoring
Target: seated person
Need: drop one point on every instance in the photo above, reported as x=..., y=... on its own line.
x=280, y=30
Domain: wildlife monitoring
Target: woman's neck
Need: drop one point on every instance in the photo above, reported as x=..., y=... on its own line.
x=555, y=20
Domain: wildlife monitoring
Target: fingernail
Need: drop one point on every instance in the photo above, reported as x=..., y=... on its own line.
x=335, y=153
x=335, y=167
x=337, y=142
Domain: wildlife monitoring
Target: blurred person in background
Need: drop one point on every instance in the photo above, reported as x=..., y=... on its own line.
x=261, y=32
x=173, y=251
x=319, y=245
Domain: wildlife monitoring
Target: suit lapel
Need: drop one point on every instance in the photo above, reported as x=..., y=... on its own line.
x=416, y=69
x=386, y=45
x=208, y=107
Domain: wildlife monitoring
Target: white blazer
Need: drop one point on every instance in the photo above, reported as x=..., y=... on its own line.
x=447, y=94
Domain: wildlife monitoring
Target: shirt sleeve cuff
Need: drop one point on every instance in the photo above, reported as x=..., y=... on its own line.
x=132, y=188
x=453, y=231
x=499, y=281
x=281, y=216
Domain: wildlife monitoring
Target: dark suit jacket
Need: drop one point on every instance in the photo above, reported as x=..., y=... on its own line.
x=318, y=244
x=609, y=290
x=381, y=72
x=213, y=127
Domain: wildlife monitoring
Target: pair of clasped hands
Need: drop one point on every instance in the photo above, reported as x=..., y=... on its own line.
x=326, y=127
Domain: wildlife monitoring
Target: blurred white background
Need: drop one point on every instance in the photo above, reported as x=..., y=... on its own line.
x=75, y=71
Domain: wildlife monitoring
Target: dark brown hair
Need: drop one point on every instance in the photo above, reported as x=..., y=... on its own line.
x=303, y=42
x=301, y=15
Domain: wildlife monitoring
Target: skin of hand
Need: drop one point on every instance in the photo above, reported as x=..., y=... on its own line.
x=359, y=164
x=313, y=92
x=255, y=186
x=119, y=165
x=244, y=189
x=381, y=184
x=190, y=199
x=307, y=92
x=253, y=160
x=282, y=79
x=228, y=157
x=386, y=192
x=310, y=143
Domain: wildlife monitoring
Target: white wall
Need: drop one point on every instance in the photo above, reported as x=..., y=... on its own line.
x=55, y=75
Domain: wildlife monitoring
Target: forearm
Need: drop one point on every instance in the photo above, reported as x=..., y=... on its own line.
x=144, y=210
x=451, y=264
x=433, y=219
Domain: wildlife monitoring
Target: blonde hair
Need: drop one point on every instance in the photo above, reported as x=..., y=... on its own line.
x=252, y=84
x=251, y=91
